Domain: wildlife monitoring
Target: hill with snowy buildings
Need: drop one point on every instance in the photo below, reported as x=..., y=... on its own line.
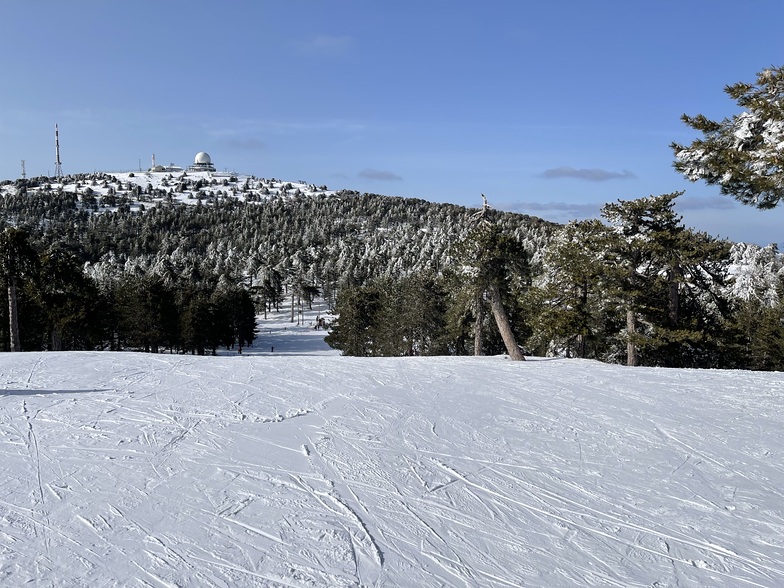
x=182, y=226
x=330, y=235
x=757, y=267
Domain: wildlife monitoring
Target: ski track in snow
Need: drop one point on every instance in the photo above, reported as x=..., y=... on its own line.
x=285, y=470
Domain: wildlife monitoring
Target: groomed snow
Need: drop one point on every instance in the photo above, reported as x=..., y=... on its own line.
x=300, y=468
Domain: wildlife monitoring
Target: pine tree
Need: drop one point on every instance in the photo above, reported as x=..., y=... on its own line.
x=355, y=330
x=742, y=155
x=694, y=272
x=570, y=313
x=492, y=260
x=17, y=261
x=757, y=336
x=414, y=316
x=197, y=324
x=236, y=315
x=754, y=338
x=148, y=314
x=652, y=263
x=74, y=309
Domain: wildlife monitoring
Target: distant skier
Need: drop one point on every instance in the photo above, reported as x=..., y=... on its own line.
x=272, y=349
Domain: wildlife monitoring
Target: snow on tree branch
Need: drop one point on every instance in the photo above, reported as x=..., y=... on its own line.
x=744, y=154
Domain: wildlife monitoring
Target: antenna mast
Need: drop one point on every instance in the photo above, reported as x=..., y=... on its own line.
x=58, y=168
x=24, y=173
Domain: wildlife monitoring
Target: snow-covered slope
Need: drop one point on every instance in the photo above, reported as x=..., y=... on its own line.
x=186, y=187
x=269, y=469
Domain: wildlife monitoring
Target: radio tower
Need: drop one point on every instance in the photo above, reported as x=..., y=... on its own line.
x=58, y=168
x=24, y=173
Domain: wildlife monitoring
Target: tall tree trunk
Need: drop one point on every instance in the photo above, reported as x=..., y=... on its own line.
x=631, y=331
x=581, y=336
x=674, y=297
x=13, y=314
x=479, y=320
x=57, y=340
x=581, y=345
x=504, y=326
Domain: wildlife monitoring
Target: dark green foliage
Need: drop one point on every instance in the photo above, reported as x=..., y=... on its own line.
x=73, y=308
x=235, y=314
x=59, y=307
x=305, y=245
x=429, y=314
x=755, y=339
x=676, y=288
x=271, y=289
x=18, y=261
x=461, y=317
x=569, y=307
x=198, y=325
x=414, y=315
x=359, y=325
x=645, y=274
x=147, y=314
x=392, y=318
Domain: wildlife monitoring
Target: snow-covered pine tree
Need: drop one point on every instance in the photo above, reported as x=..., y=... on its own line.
x=653, y=262
x=756, y=330
x=744, y=154
x=571, y=311
x=492, y=259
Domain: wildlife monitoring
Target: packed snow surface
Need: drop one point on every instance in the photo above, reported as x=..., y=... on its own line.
x=302, y=468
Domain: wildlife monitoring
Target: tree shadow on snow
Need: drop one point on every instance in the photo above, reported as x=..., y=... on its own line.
x=31, y=392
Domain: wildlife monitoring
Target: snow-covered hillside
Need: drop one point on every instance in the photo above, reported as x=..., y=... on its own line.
x=299, y=468
x=101, y=192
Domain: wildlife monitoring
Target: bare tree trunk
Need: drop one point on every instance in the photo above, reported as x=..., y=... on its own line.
x=57, y=340
x=631, y=331
x=581, y=346
x=479, y=320
x=674, y=299
x=13, y=314
x=504, y=327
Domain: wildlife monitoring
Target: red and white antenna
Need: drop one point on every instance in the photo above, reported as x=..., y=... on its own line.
x=58, y=168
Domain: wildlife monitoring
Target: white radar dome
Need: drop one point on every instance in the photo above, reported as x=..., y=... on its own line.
x=202, y=158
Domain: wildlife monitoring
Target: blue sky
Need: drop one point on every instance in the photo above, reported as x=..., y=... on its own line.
x=549, y=108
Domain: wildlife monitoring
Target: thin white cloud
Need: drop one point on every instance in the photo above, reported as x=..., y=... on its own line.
x=375, y=174
x=590, y=175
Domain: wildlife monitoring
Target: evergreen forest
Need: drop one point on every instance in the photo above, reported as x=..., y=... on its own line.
x=183, y=263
